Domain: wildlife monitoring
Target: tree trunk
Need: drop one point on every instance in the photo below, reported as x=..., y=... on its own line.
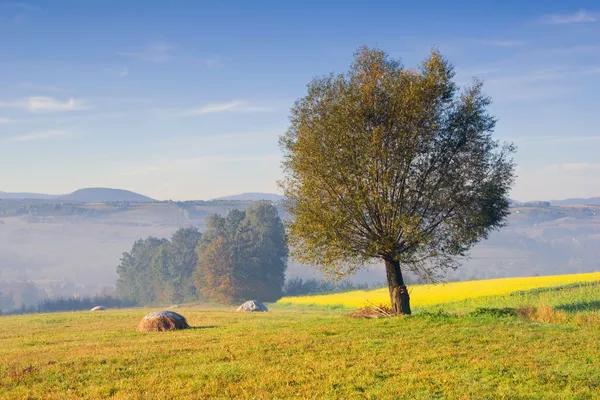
x=398, y=292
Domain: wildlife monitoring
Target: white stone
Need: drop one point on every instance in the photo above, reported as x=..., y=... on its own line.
x=252, y=305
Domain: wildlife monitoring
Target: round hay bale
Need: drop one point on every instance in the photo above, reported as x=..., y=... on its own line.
x=98, y=308
x=159, y=321
x=253, y=305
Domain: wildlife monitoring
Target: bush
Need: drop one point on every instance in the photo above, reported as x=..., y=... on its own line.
x=73, y=304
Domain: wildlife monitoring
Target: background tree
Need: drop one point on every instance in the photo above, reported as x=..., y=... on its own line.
x=242, y=256
x=135, y=276
x=159, y=270
x=394, y=164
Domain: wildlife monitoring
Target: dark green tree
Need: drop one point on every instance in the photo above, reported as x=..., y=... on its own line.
x=393, y=164
x=136, y=278
x=159, y=270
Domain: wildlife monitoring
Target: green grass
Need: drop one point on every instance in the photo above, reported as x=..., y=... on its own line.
x=307, y=353
x=576, y=297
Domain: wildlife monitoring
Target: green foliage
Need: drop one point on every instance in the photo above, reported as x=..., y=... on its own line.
x=242, y=256
x=492, y=312
x=392, y=163
x=159, y=270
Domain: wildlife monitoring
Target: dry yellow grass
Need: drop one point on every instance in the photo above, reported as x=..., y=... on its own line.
x=425, y=295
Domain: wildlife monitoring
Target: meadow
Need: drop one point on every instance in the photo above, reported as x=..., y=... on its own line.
x=434, y=294
x=464, y=350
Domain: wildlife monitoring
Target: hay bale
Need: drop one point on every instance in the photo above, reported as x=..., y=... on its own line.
x=253, y=305
x=98, y=308
x=159, y=321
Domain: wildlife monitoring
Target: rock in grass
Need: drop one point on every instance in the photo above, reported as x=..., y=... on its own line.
x=159, y=321
x=252, y=305
x=98, y=308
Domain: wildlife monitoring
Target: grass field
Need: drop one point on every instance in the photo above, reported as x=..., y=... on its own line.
x=427, y=295
x=313, y=354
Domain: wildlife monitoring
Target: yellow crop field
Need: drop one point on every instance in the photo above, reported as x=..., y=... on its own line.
x=431, y=294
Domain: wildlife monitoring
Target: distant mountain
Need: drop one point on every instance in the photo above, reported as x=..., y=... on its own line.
x=35, y=196
x=592, y=201
x=252, y=197
x=95, y=195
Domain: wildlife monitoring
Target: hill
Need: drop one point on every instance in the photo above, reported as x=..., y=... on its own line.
x=95, y=195
x=592, y=201
x=33, y=196
x=252, y=197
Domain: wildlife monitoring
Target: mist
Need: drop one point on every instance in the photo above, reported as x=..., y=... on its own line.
x=71, y=248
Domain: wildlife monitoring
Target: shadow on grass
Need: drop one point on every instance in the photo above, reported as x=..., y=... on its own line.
x=203, y=327
x=581, y=306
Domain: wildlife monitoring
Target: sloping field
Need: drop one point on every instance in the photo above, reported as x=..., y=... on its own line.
x=427, y=295
x=304, y=354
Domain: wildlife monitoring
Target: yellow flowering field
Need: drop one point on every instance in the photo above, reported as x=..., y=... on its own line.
x=431, y=294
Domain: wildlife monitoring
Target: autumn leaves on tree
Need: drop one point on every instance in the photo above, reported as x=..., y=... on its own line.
x=393, y=164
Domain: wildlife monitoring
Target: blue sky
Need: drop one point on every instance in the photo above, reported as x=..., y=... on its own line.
x=186, y=100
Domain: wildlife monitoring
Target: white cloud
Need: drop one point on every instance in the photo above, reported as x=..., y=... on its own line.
x=212, y=108
x=503, y=43
x=123, y=72
x=42, y=135
x=156, y=52
x=44, y=88
x=211, y=62
x=5, y=120
x=40, y=104
x=581, y=16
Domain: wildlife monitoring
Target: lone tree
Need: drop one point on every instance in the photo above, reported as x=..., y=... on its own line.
x=389, y=163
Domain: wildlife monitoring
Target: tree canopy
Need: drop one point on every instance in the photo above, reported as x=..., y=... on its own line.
x=159, y=270
x=242, y=256
x=395, y=164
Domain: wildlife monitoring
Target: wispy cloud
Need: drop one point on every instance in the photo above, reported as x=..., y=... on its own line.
x=23, y=6
x=44, y=88
x=42, y=135
x=40, y=104
x=503, y=43
x=122, y=100
x=209, y=61
x=90, y=117
x=123, y=72
x=156, y=52
x=591, y=71
x=544, y=74
x=168, y=165
x=580, y=16
x=213, y=108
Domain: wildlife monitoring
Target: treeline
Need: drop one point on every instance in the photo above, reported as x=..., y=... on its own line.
x=72, y=304
x=299, y=286
x=240, y=256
